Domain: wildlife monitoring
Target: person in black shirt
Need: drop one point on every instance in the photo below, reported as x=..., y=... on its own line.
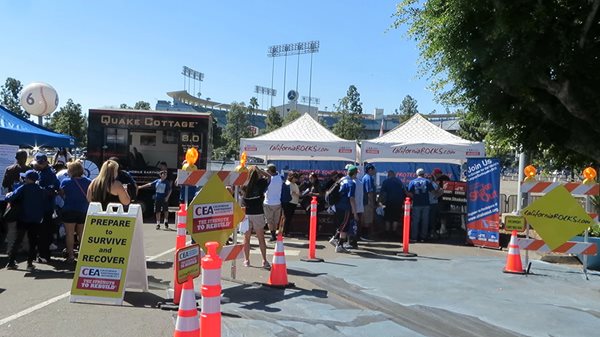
x=10, y=181
x=126, y=179
x=253, y=198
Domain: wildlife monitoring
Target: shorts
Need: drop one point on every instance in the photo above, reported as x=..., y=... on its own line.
x=342, y=220
x=393, y=212
x=160, y=205
x=73, y=217
x=272, y=215
x=256, y=222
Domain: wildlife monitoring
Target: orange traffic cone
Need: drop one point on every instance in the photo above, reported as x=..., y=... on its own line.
x=278, y=277
x=188, y=322
x=513, y=260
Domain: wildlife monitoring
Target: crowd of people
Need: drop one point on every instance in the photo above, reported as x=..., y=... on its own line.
x=271, y=201
x=41, y=196
x=43, y=201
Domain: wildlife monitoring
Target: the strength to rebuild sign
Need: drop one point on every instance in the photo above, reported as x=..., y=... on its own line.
x=104, y=257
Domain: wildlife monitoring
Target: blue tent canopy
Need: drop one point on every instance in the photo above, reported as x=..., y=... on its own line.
x=15, y=130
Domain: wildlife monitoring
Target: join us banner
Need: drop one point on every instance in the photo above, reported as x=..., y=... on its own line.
x=483, y=202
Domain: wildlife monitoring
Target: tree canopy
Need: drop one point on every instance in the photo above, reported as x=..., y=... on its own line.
x=70, y=120
x=237, y=127
x=408, y=108
x=529, y=68
x=9, y=96
x=291, y=116
x=349, y=111
x=273, y=120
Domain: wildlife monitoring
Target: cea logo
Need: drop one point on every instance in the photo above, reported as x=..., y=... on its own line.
x=90, y=272
x=204, y=210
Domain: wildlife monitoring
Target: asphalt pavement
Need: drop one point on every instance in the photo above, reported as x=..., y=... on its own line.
x=446, y=290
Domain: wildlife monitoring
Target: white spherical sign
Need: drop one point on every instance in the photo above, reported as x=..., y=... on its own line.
x=39, y=99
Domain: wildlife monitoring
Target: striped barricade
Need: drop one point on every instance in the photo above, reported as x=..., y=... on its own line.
x=200, y=177
x=228, y=253
x=547, y=186
x=569, y=247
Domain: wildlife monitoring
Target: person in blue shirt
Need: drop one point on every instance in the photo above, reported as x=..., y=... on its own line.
x=74, y=191
x=50, y=184
x=392, y=195
x=346, y=214
x=419, y=189
x=369, y=201
x=28, y=198
x=161, y=196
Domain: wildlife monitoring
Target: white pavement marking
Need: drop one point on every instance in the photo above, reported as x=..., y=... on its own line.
x=60, y=297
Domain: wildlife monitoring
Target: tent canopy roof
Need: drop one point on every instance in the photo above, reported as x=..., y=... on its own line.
x=15, y=130
x=305, y=128
x=302, y=139
x=419, y=130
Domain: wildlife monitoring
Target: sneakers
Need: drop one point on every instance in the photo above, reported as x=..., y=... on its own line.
x=365, y=239
x=246, y=263
x=333, y=241
x=350, y=245
x=266, y=265
x=157, y=226
x=42, y=260
x=341, y=249
x=30, y=266
x=53, y=247
x=273, y=238
x=166, y=225
x=11, y=265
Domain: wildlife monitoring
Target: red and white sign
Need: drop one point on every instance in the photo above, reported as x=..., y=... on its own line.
x=103, y=279
x=212, y=217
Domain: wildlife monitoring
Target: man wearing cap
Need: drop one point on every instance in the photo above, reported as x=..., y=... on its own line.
x=369, y=196
x=11, y=181
x=272, y=203
x=27, y=197
x=50, y=184
x=346, y=214
x=419, y=188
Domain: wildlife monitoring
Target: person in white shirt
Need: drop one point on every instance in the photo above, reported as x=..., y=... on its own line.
x=272, y=204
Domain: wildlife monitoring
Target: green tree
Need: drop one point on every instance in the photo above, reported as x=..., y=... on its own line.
x=142, y=105
x=291, y=116
x=252, y=110
x=10, y=97
x=70, y=120
x=218, y=141
x=528, y=67
x=237, y=127
x=273, y=120
x=407, y=109
x=349, y=110
x=124, y=106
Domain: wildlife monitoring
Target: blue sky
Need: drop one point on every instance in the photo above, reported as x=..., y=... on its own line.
x=104, y=53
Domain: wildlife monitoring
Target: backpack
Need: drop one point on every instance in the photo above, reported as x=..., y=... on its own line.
x=333, y=195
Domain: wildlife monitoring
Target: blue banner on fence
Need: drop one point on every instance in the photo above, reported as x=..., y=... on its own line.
x=483, y=201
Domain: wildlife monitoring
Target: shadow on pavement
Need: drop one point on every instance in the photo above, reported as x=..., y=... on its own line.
x=434, y=258
x=380, y=245
x=40, y=274
x=141, y=299
x=301, y=245
x=340, y=264
x=158, y=284
x=303, y=273
x=375, y=255
x=159, y=264
x=259, y=297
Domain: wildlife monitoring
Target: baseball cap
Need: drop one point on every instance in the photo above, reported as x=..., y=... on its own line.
x=420, y=172
x=437, y=171
x=41, y=158
x=31, y=175
x=368, y=167
x=351, y=169
x=272, y=167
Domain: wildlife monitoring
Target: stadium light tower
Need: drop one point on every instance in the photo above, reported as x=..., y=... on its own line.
x=265, y=91
x=190, y=73
x=309, y=47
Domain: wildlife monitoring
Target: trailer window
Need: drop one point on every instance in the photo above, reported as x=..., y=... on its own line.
x=116, y=136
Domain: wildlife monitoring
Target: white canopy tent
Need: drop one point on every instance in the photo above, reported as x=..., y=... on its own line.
x=419, y=140
x=303, y=139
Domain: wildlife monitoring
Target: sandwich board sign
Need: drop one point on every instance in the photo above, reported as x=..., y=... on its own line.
x=111, y=256
x=214, y=214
